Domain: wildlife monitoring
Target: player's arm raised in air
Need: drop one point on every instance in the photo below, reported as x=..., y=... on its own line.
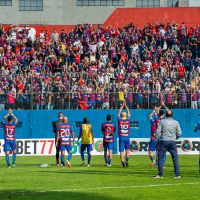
x=5, y=117
x=166, y=108
x=15, y=118
x=155, y=111
x=120, y=110
x=127, y=109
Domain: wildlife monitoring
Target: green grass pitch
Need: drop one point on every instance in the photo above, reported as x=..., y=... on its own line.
x=29, y=181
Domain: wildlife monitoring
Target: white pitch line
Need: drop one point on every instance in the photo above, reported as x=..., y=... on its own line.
x=124, y=187
x=114, y=187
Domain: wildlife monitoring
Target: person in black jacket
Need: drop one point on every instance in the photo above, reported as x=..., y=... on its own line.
x=55, y=128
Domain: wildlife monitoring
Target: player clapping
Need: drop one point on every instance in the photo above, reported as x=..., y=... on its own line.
x=10, y=137
x=124, y=133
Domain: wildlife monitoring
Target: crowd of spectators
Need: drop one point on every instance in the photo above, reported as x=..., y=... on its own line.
x=93, y=67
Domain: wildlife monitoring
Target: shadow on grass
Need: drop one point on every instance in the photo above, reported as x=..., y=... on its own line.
x=138, y=173
x=34, y=195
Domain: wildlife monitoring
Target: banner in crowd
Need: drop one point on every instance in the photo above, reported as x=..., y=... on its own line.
x=139, y=146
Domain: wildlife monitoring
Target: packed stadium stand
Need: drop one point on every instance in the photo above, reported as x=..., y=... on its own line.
x=145, y=60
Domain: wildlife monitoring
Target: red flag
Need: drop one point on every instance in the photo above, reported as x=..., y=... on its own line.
x=83, y=105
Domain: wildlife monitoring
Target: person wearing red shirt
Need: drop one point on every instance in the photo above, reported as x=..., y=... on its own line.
x=143, y=69
x=81, y=82
x=20, y=85
x=11, y=97
x=103, y=39
x=181, y=71
x=47, y=36
x=155, y=65
x=77, y=59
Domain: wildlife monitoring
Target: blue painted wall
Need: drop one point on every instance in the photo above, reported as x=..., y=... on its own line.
x=38, y=123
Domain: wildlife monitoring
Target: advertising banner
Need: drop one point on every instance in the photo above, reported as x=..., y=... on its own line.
x=139, y=146
x=46, y=147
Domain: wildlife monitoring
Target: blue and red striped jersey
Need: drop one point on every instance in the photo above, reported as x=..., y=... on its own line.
x=9, y=131
x=124, y=127
x=65, y=133
x=154, y=125
x=108, y=130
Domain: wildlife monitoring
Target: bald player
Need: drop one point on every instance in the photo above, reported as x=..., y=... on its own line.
x=124, y=133
x=65, y=139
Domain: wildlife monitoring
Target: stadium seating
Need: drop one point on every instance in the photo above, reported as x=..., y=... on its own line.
x=92, y=67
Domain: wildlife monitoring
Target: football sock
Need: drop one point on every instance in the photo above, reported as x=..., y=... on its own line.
x=106, y=160
x=69, y=157
x=151, y=158
x=14, y=158
x=109, y=161
x=63, y=160
x=89, y=158
x=7, y=160
x=82, y=156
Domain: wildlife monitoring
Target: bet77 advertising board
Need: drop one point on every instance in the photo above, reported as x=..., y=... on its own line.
x=46, y=147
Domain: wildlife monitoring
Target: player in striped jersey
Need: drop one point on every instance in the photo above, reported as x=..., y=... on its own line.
x=10, y=137
x=108, y=129
x=65, y=134
x=155, y=118
x=124, y=133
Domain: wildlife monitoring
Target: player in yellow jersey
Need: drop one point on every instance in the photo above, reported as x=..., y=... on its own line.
x=87, y=137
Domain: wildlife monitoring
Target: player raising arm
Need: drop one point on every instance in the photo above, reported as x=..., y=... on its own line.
x=155, y=117
x=10, y=137
x=154, y=120
x=124, y=133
